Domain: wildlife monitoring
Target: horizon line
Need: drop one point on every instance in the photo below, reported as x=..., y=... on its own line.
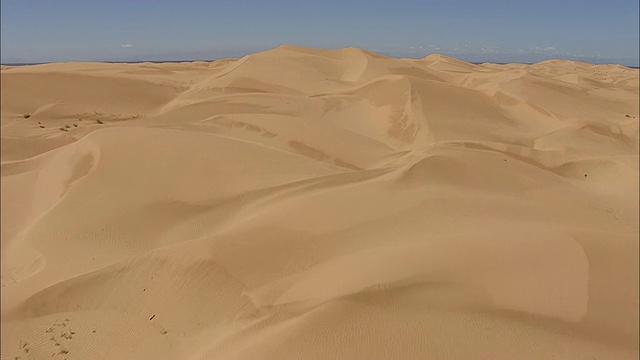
x=214, y=60
x=17, y=61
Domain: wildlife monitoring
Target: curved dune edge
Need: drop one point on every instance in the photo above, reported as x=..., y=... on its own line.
x=320, y=204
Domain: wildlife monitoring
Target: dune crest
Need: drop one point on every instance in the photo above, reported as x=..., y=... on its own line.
x=320, y=204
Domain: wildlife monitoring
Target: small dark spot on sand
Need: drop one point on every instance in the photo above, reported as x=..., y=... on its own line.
x=26, y=116
x=585, y=176
x=151, y=318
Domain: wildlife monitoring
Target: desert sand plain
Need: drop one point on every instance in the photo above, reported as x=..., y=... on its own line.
x=320, y=204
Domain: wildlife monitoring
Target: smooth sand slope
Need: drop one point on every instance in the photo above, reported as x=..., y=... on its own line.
x=313, y=204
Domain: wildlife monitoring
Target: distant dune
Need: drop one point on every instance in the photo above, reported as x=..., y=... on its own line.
x=320, y=204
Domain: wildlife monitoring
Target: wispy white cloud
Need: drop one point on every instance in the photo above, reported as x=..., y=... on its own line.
x=126, y=46
x=544, y=49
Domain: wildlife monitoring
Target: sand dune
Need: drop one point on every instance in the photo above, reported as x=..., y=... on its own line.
x=320, y=204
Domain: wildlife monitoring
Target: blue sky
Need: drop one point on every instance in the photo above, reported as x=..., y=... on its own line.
x=490, y=30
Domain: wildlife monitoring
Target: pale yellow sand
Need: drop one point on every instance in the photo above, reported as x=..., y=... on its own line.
x=312, y=204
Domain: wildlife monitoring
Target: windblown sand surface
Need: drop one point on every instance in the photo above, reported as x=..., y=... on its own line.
x=314, y=204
